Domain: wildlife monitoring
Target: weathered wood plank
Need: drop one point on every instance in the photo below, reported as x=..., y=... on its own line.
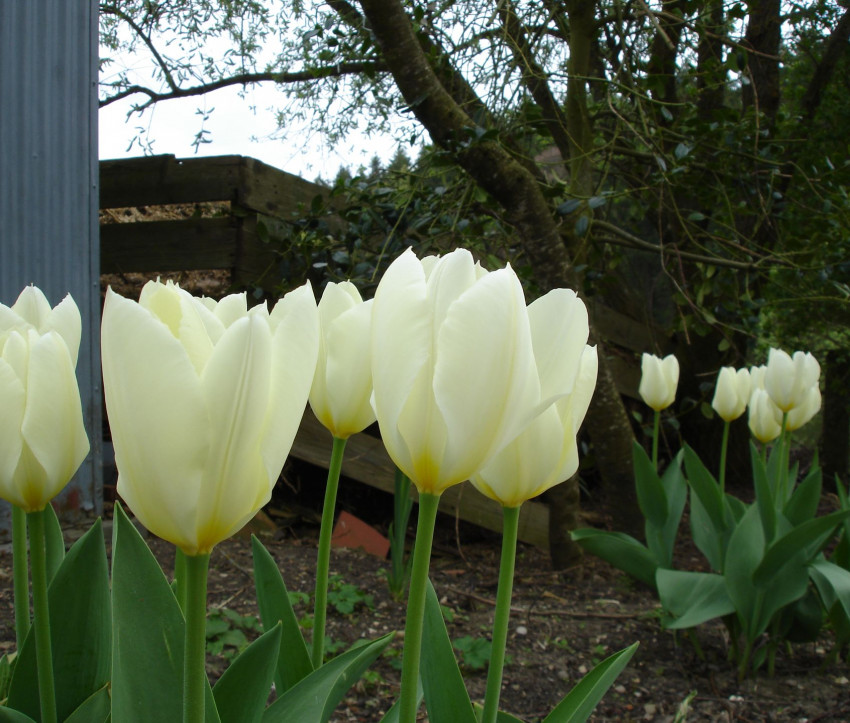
x=163, y=180
x=273, y=192
x=203, y=243
x=367, y=461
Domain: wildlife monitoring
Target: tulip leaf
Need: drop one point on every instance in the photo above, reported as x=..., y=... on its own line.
x=705, y=487
x=54, y=541
x=10, y=715
x=147, y=672
x=314, y=698
x=765, y=493
x=581, y=700
x=95, y=709
x=446, y=697
x=692, y=598
x=242, y=691
x=707, y=539
x=833, y=584
x=803, y=504
x=81, y=632
x=651, y=496
x=293, y=661
x=621, y=550
x=805, y=540
x=501, y=716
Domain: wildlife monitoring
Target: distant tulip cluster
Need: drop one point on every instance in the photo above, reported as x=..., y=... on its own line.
x=782, y=394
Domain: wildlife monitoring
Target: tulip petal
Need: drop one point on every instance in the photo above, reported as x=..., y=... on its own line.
x=235, y=384
x=401, y=346
x=32, y=306
x=450, y=277
x=295, y=347
x=65, y=319
x=53, y=426
x=154, y=402
x=231, y=308
x=485, y=378
x=559, y=331
x=13, y=403
x=348, y=371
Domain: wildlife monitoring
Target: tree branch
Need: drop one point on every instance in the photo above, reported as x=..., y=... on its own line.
x=304, y=76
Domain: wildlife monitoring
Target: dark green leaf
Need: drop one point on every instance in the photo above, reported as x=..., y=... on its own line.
x=243, y=690
x=581, y=700
x=622, y=551
x=81, y=631
x=445, y=692
x=692, y=598
x=275, y=607
x=314, y=698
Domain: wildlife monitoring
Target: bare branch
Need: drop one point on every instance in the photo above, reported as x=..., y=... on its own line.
x=304, y=76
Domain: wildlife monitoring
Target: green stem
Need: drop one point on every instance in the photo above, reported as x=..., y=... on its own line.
x=323, y=560
x=20, y=575
x=510, y=524
x=428, y=504
x=724, y=445
x=785, y=453
x=656, y=426
x=194, y=651
x=41, y=617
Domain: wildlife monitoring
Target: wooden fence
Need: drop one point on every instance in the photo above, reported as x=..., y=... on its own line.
x=256, y=190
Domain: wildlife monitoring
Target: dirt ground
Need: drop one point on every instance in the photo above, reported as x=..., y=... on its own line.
x=562, y=624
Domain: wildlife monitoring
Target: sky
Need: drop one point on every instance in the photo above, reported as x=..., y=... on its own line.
x=236, y=126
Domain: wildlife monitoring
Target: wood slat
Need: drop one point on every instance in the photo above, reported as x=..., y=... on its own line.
x=367, y=461
x=203, y=243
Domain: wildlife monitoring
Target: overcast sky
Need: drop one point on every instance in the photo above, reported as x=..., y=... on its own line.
x=234, y=128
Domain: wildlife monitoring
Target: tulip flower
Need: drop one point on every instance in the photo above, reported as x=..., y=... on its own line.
x=659, y=379
x=546, y=453
x=452, y=366
x=204, y=400
x=455, y=379
x=802, y=413
x=658, y=382
x=762, y=418
x=342, y=387
x=42, y=436
x=42, y=444
x=732, y=393
x=788, y=380
x=731, y=396
x=341, y=400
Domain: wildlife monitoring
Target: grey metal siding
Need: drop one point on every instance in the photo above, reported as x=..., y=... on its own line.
x=48, y=188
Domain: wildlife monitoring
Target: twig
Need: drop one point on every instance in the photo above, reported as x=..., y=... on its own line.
x=552, y=612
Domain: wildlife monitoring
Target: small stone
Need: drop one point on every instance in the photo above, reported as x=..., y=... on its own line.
x=521, y=630
x=582, y=669
x=621, y=689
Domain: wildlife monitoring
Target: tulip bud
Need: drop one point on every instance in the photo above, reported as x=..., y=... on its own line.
x=204, y=400
x=42, y=436
x=732, y=393
x=659, y=379
x=452, y=366
x=342, y=388
x=789, y=380
x=764, y=416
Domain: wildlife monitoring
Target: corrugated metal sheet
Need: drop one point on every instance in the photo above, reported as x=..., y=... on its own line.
x=48, y=187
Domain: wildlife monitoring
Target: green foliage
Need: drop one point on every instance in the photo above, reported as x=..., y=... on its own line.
x=474, y=651
x=228, y=631
x=771, y=583
x=345, y=598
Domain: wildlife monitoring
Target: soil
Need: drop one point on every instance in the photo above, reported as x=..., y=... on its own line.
x=561, y=626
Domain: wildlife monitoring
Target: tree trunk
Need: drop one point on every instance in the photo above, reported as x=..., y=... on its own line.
x=762, y=41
